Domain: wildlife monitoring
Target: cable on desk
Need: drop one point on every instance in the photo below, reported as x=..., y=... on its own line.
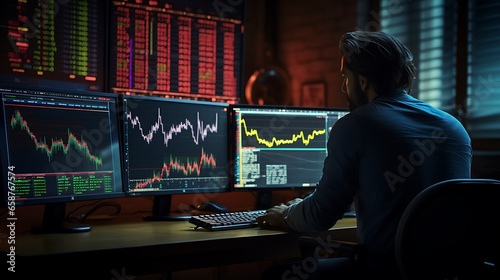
x=72, y=218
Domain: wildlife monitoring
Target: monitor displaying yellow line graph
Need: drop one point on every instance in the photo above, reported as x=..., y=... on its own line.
x=278, y=147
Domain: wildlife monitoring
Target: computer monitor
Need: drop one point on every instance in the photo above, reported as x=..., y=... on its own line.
x=174, y=146
x=54, y=44
x=279, y=147
x=58, y=147
x=178, y=49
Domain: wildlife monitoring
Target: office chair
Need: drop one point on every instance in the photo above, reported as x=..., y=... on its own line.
x=449, y=231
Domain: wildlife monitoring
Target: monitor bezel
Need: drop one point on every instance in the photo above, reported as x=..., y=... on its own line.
x=232, y=153
x=61, y=199
x=190, y=102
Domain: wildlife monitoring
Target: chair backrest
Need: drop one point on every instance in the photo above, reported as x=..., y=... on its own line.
x=451, y=231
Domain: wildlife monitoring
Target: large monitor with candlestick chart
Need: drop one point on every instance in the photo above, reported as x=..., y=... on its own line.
x=279, y=147
x=174, y=146
x=172, y=48
x=58, y=147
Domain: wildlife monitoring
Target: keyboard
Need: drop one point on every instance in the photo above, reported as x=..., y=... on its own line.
x=229, y=220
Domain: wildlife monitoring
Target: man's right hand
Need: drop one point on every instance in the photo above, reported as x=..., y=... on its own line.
x=294, y=201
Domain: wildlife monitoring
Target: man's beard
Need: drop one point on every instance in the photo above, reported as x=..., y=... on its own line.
x=357, y=97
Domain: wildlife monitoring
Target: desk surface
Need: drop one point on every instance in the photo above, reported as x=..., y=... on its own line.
x=150, y=246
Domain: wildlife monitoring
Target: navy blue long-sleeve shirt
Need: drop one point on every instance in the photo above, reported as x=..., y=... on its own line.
x=380, y=156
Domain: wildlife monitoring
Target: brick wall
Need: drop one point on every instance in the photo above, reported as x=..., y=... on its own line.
x=307, y=35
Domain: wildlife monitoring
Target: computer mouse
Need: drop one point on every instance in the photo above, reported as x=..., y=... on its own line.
x=211, y=206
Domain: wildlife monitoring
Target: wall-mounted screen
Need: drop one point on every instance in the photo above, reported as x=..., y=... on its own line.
x=171, y=48
x=54, y=44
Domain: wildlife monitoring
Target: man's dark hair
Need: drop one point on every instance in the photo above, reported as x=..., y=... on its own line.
x=381, y=58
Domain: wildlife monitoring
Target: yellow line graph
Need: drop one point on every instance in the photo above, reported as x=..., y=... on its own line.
x=277, y=142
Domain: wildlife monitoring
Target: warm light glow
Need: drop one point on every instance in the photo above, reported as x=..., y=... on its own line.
x=249, y=85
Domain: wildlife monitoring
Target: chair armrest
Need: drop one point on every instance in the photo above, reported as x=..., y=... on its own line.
x=320, y=248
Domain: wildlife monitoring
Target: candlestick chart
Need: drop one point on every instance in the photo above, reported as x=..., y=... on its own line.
x=51, y=138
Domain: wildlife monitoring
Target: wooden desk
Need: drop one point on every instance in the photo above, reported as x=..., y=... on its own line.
x=145, y=247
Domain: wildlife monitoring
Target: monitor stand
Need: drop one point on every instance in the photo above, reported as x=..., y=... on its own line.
x=53, y=221
x=161, y=210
